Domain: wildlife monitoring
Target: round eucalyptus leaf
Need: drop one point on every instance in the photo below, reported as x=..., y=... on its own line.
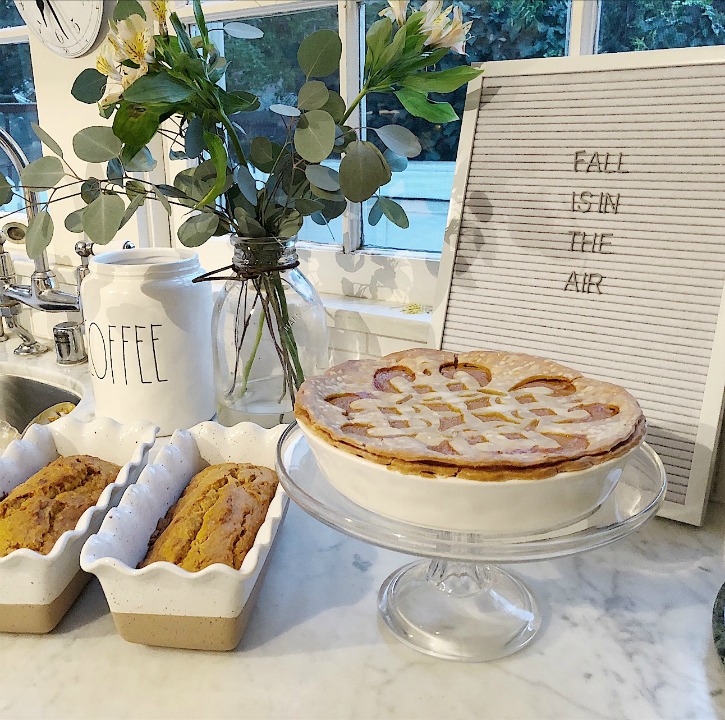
x=397, y=163
x=42, y=174
x=308, y=207
x=376, y=213
x=313, y=95
x=319, y=54
x=361, y=172
x=315, y=136
x=89, y=87
x=39, y=235
x=242, y=31
x=394, y=212
x=6, y=190
x=114, y=172
x=323, y=177
x=194, y=138
x=264, y=153
x=102, y=218
x=327, y=195
x=90, y=190
x=74, y=221
x=142, y=161
x=126, y=8
x=47, y=140
x=134, y=188
x=290, y=224
x=286, y=110
x=318, y=218
x=334, y=208
x=400, y=140
x=198, y=229
x=246, y=183
x=96, y=144
x=335, y=105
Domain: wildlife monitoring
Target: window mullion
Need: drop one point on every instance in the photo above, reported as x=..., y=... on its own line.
x=351, y=26
x=583, y=27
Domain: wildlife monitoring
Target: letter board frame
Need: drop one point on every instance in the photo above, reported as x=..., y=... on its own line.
x=637, y=296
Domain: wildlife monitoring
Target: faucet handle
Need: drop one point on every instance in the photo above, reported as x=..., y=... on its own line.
x=84, y=250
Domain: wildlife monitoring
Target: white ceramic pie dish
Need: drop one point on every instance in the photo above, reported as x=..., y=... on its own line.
x=36, y=590
x=509, y=507
x=163, y=604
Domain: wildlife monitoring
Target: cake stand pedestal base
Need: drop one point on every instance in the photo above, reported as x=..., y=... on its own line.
x=459, y=610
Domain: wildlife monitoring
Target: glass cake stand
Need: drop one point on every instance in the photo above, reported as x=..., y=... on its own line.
x=460, y=605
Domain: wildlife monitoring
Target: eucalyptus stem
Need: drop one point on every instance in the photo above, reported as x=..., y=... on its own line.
x=227, y=123
x=285, y=330
x=250, y=361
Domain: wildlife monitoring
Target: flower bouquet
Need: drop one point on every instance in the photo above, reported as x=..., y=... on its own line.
x=253, y=189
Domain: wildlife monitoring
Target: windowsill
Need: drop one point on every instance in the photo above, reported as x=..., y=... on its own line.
x=375, y=317
x=384, y=319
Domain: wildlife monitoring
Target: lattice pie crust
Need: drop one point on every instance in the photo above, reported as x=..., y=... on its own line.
x=479, y=415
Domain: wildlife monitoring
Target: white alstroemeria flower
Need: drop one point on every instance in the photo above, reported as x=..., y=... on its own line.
x=160, y=10
x=133, y=40
x=107, y=63
x=130, y=75
x=443, y=31
x=112, y=96
x=116, y=87
x=397, y=11
x=456, y=33
x=435, y=21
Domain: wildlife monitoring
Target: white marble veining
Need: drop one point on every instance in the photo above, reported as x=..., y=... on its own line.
x=626, y=634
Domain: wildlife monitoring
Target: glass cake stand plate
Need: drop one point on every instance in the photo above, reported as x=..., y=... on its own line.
x=459, y=605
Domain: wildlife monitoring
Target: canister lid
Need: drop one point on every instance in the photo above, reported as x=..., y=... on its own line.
x=145, y=262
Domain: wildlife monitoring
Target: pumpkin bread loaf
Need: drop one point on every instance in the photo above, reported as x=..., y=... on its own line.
x=216, y=519
x=37, y=512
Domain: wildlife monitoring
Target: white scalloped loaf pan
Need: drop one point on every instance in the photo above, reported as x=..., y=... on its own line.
x=162, y=604
x=36, y=590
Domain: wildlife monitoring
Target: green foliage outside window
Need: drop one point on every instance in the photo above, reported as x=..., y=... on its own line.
x=9, y=15
x=627, y=25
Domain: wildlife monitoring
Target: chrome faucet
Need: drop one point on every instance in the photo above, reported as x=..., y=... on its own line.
x=41, y=293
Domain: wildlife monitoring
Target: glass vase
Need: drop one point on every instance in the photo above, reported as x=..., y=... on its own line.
x=269, y=333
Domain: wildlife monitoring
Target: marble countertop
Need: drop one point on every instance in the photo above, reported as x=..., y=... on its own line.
x=626, y=634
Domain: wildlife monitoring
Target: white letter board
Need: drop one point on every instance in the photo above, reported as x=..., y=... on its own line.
x=587, y=224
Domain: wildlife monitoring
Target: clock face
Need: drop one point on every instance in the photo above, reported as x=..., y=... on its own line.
x=68, y=27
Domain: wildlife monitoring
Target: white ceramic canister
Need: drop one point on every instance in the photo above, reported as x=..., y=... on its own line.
x=148, y=333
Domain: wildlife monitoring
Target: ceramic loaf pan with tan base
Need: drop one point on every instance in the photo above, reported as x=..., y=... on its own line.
x=162, y=604
x=36, y=590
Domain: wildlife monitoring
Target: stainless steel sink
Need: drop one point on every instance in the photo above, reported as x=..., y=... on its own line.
x=22, y=399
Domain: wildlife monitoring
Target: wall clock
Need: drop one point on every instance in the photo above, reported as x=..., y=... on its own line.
x=69, y=28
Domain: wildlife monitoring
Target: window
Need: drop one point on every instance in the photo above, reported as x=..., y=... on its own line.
x=17, y=92
x=660, y=24
x=502, y=30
